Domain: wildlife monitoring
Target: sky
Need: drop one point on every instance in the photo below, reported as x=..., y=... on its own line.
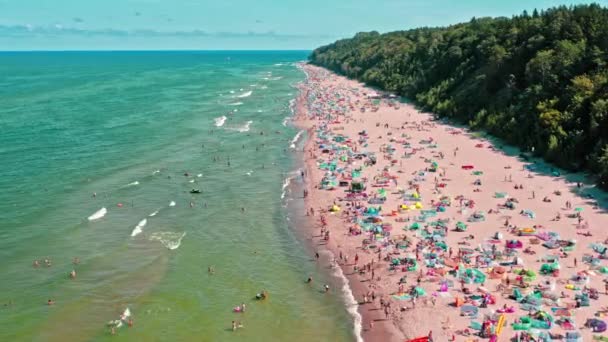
x=228, y=24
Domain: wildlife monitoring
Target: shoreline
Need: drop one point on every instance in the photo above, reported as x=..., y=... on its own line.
x=360, y=317
x=440, y=317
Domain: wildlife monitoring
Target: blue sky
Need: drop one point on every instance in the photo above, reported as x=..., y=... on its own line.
x=227, y=24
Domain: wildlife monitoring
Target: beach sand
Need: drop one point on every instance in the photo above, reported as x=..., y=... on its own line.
x=330, y=105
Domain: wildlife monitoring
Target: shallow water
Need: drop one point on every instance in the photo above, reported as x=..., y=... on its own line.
x=127, y=127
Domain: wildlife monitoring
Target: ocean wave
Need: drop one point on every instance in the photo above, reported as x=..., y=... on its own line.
x=139, y=228
x=352, y=306
x=154, y=213
x=219, y=122
x=295, y=139
x=170, y=240
x=242, y=129
x=245, y=94
x=155, y=172
x=172, y=204
x=98, y=214
x=235, y=104
x=132, y=184
x=285, y=185
x=285, y=121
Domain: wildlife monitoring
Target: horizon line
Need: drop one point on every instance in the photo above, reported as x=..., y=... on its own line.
x=160, y=50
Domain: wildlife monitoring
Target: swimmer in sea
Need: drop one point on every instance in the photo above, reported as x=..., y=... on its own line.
x=50, y=302
x=326, y=287
x=73, y=274
x=309, y=280
x=233, y=326
x=36, y=263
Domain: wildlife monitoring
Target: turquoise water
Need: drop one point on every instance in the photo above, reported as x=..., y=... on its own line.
x=128, y=126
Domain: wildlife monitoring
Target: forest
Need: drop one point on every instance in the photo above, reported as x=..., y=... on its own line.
x=537, y=80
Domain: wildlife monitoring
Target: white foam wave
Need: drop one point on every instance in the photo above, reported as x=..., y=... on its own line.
x=154, y=213
x=98, y=214
x=199, y=175
x=170, y=240
x=139, y=228
x=295, y=139
x=232, y=92
x=352, y=306
x=286, y=183
x=285, y=121
x=172, y=204
x=292, y=106
x=235, y=104
x=219, y=122
x=133, y=183
x=244, y=128
x=155, y=172
x=248, y=173
x=245, y=94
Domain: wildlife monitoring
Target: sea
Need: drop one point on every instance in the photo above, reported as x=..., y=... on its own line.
x=140, y=171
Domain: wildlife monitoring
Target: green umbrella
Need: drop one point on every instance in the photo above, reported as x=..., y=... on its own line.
x=579, y=209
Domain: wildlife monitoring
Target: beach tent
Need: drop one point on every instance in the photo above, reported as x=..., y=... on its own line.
x=597, y=325
x=574, y=336
x=357, y=187
x=461, y=227
x=514, y=244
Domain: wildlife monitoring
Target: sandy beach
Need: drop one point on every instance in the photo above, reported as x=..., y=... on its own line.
x=440, y=232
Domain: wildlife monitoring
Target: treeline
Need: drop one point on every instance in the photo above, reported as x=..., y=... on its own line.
x=539, y=81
